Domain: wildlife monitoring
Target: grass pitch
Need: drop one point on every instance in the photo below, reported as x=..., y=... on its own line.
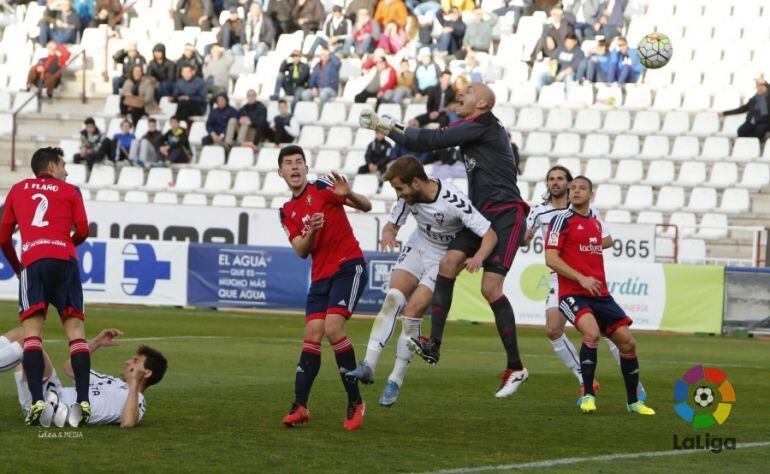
x=230, y=382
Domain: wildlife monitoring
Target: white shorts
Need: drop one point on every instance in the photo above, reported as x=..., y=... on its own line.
x=552, y=301
x=421, y=260
x=51, y=384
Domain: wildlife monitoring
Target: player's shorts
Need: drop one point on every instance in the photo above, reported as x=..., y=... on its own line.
x=51, y=281
x=421, y=260
x=508, y=221
x=609, y=315
x=25, y=397
x=552, y=300
x=338, y=294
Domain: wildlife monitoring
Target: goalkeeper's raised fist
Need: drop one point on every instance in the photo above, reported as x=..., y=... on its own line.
x=385, y=124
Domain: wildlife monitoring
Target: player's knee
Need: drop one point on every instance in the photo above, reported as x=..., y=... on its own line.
x=491, y=291
x=334, y=330
x=591, y=335
x=627, y=346
x=451, y=264
x=553, y=331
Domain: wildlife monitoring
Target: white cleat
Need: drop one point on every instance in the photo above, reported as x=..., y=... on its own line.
x=75, y=415
x=511, y=380
x=52, y=400
x=61, y=415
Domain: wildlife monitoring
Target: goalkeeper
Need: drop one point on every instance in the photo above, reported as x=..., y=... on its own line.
x=491, y=167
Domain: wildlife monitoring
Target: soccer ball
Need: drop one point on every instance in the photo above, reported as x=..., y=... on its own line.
x=655, y=50
x=704, y=396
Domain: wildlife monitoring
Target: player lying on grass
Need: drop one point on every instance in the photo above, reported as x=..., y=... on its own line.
x=441, y=211
x=556, y=202
x=317, y=226
x=574, y=251
x=113, y=400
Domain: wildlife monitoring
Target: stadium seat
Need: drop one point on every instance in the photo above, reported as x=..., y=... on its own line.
x=712, y=227
x=539, y=190
x=702, y=200
x=165, y=198
x=715, y=79
x=253, y=201
x=523, y=190
x=755, y=176
x=638, y=198
x=745, y=149
x=705, y=124
x=660, y=173
x=246, y=182
x=114, y=127
x=608, y=96
x=617, y=216
x=535, y=168
x=625, y=146
x=685, y=224
x=76, y=174
x=587, y=121
x=667, y=98
x=538, y=143
x=139, y=197
x=617, y=121
x=130, y=178
x=692, y=251
x=211, y=156
x=267, y=160
x=567, y=144
x=529, y=119
x=240, y=157
x=194, y=199
x=327, y=161
x=730, y=125
x=523, y=95
x=217, y=181
x=628, y=172
x=102, y=176
x=363, y=138
x=394, y=110
x=159, y=179
x=311, y=136
x=595, y=146
x=167, y=108
x=107, y=195
x=412, y=111
x=366, y=184
x=500, y=90
x=306, y=111
x=338, y=138
x=70, y=149
x=670, y=198
x=224, y=200
x=735, y=201
x=551, y=96
x=608, y=196
x=696, y=100
x=278, y=201
x=675, y=123
x=684, y=148
x=691, y=173
x=726, y=99
x=111, y=106
x=197, y=132
x=723, y=175
x=654, y=147
x=580, y=96
x=353, y=160
x=646, y=122
x=572, y=164
x=715, y=149
x=599, y=170
x=333, y=113
x=558, y=120
x=649, y=217
x=274, y=185
x=507, y=115
x=188, y=179
x=658, y=78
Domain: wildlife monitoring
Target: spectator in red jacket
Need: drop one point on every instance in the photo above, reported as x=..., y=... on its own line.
x=384, y=80
x=366, y=33
x=44, y=73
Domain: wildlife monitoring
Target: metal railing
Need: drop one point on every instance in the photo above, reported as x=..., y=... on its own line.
x=756, y=232
x=115, y=21
x=37, y=95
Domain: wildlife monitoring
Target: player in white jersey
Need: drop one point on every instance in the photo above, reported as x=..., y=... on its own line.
x=113, y=400
x=556, y=202
x=441, y=211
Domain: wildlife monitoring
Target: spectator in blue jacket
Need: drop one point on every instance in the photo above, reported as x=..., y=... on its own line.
x=216, y=123
x=595, y=67
x=324, y=82
x=565, y=62
x=189, y=94
x=248, y=128
x=624, y=64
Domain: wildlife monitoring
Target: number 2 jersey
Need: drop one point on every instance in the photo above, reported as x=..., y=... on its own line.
x=46, y=209
x=440, y=220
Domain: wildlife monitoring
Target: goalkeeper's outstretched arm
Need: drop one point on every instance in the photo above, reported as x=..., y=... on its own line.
x=420, y=139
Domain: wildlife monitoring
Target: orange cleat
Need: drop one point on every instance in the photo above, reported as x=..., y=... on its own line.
x=355, y=416
x=299, y=415
x=582, y=392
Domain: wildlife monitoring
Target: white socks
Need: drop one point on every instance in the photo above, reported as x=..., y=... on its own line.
x=10, y=354
x=614, y=349
x=567, y=353
x=384, y=325
x=410, y=327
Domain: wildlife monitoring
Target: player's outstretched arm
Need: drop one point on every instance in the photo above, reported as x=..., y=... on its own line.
x=303, y=244
x=607, y=242
x=488, y=242
x=354, y=200
x=106, y=338
x=130, y=416
x=555, y=263
x=388, y=241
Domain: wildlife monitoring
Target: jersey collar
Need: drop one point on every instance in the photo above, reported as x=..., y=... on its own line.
x=45, y=176
x=438, y=191
x=301, y=192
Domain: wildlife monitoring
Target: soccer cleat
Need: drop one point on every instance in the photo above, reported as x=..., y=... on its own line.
x=641, y=393
x=425, y=348
x=298, y=415
x=61, y=415
x=363, y=373
x=510, y=382
x=582, y=392
x=355, y=416
x=33, y=415
x=389, y=395
x=79, y=414
x=50, y=409
x=640, y=409
x=588, y=404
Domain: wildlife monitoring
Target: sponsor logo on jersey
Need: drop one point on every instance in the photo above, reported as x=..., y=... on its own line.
x=439, y=218
x=553, y=238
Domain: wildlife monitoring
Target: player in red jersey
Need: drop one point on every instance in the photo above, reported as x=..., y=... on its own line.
x=574, y=250
x=317, y=226
x=46, y=209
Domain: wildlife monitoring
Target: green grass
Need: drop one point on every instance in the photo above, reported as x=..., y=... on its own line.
x=220, y=406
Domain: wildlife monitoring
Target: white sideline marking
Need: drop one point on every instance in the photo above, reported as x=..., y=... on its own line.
x=576, y=460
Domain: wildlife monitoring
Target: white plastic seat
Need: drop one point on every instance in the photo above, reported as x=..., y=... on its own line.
x=608, y=196
x=363, y=138
x=646, y=122
x=667, y=98
x=311, y=136
x=608, y=96
x=538, y=191
x=587, y=121
x=692, y=251
x=76, y=174
x=246, y=182
x=628, y=172
x=535, y=168
x=111, y=106
x=306, y=112
x=730, y=125
x=327, y=160
x=353, y=160
x=726, y=99
x=412, y=111
x=339, y=138
x=735, y=201
x=523, y=95
x=684, y=148
x=670, y=198
x=745, y=149
x=638, y=198
x=217, y=181
x=355, y=112
x=140, y=197
x=102, y=176
x=70, y=149
x=538, y=143
x=240, y=157
x=685, y=223
x=197, y=132
x=333, y=113
x=617, y=216
x=507, y=115
x=654, y=147
x=705, y=124
x=572, y=164
x=713, y=227
x=224, y=200
x=165, y=198
x=580, y=96
x=649, y=217
x=130, y=178
x=595, y=146
x=253, y=201
x=366, y=184
x=691, y=173
x=675, y=123
x=267, y=160
x=211, y=156
x=723, y=175
x=715, y=149
x=558, y=120
x=625, y=146
x=194, y=199
x=107, y=195
x=188, y=179
x=394, y=110
x=755, y=176
x=566, y=144
x=274, y=185
x=702, y=200
x=617, y=121
x=278, y=201
x=159, y=179
x=530, y=119
x=599, y=170
x=715, y=79
x=638, y=98
x=551, y=96
x=696, y=100
x=660, y=173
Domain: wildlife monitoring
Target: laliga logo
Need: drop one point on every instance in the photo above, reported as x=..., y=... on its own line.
x=705, y=381
x=141, y=269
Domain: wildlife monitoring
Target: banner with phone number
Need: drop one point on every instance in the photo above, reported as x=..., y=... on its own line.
x=629, y=242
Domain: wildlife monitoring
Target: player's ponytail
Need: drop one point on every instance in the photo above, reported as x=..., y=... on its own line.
x=567, y=174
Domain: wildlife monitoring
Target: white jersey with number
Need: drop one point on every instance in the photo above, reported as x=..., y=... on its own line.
x=437, y=224
x=538, y=220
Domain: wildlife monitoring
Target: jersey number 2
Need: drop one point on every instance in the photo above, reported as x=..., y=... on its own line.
x=42, y=208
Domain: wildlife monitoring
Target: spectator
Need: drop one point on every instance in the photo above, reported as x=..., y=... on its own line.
x=460, y=5
x=216, y=70
x=412, y=29
x=138, y=95
x=383, y=80
x=105, y=12
x=543, y=49
x=198, y=13
x=391, y=11
x=565, y=63
x=471, y=68
x=94, y=146
x=190, y=57
x=377, y=158
x=121, y=143
x=393, y=39
x=163, y=71
x=426, y=74
x=439, y=98
x=595, y=67
x=232, y=34
x=624, y=64
x=335, y=32
x=84, y=9
x=366, y=33
x=609, y=18
x=309, y=15
x=452, y=31
x=279, y=12
x=324, y=83
x=217, y=121
x=354, y=8
x=45, y=74
x=176, y=145
x=293, y=74
x=259, y=35
x=478, y=34
x=146, y=150
x=423, y=7
x=127, y=58
x=404, y=85
x=250, y=124
x=425, y=32
x=557, y=28
x=584, y=11
x=189, y=94
x=285, y=127
x=60, y=24
x=757, y=111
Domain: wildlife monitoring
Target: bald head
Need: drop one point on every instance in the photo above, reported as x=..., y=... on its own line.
x=483, y=92
x=475, y=99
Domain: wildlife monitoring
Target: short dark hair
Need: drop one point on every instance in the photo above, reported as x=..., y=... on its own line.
x=89, y=121
x=572, y=36
x=282, y=101
x=290, y=150
x=154, y=361
x=151, y=120
x=173, y=117
x=584, y=178
x=602, y=42
x=44, y=157
x=623, y=39
x=446, y=72
x=406, y=168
